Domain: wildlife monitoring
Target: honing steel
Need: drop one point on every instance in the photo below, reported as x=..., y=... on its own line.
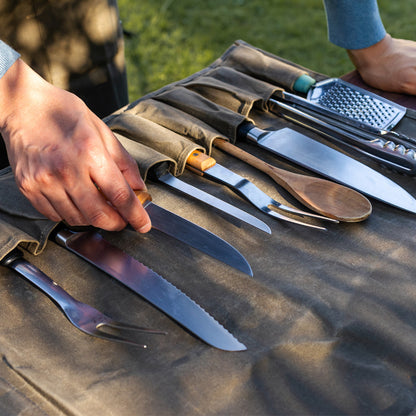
x=160, y=173
x=92, y=247
x=82, y=316
x=192, y=234
x=203, y=164
x=325, y=197
x=317, y=157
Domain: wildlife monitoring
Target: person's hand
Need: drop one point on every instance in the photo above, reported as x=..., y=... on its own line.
x=66, y=161
x=389, y=65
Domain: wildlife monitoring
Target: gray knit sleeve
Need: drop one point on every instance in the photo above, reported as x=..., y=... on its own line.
x=8, y=57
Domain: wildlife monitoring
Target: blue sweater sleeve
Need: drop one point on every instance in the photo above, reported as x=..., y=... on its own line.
x=354, y=24
x=8, y=57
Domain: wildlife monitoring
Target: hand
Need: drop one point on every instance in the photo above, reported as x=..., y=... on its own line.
x=389, y=65
x=61, y=152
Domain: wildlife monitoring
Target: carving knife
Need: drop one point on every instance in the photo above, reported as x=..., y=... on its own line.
x=193, y=235
x=322, y=159
x=92, y=247
x=162, y=175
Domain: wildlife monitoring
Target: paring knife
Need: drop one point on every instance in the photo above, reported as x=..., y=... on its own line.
x=92, y=247
x=162, y=175
x=329, y=162
x=192, y=234
x=203, y=164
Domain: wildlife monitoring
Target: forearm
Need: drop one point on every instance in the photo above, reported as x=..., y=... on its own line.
x=354, y=24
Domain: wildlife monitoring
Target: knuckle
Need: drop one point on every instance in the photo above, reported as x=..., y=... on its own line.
x=121, y=197
x=100, y=219
x=74, y=220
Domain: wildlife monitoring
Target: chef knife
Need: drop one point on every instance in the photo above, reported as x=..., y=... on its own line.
x=92, y=247
x=192, y=234
x=329, y=162
x=159, y=173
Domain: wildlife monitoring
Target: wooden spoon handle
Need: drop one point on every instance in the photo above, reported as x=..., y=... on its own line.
x=278, y=175
x=325, y=197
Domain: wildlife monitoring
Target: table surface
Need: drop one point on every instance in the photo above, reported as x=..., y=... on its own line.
x=329, y=319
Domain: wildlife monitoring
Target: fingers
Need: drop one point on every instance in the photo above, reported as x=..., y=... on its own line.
x=63, y=186
x=127, y=165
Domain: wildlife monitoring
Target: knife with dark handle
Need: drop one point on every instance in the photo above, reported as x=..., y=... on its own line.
x=192, y=234
x=326, y=161
x=83, y=316
x=92, y=247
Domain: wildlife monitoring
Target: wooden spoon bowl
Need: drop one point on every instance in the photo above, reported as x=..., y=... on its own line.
x=320, y=195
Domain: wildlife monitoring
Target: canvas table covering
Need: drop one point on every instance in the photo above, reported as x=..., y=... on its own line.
x=328, y=317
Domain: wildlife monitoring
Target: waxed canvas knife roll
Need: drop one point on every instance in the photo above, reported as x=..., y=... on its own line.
x=20, y=223
x=175, y=120
x=213, y=102
x=146, y=157
x=169, y=145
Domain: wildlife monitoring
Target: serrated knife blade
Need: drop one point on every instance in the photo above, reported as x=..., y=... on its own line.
x=92, y=247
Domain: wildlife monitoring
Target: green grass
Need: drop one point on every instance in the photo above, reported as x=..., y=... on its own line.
x=173, y=39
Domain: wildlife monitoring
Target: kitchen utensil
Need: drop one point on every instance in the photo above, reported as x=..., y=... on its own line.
x=161, y=174
x=92, y=247
x=325, y=197
x=329, y=162
x=81, y=315
x=388, y=147
x=206, y=165
x=192, y=234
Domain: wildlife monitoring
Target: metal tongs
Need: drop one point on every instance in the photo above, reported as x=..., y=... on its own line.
x=353, y=116
x=81, y=315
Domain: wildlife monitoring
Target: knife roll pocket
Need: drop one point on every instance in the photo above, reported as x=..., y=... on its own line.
x=154, y=136
x=20, y=223
x=233, y=89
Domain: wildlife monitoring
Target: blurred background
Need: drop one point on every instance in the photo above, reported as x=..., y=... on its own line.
x=167, y=40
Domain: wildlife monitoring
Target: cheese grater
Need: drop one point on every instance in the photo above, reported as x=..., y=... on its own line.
x=354, y=105
x=355, y=116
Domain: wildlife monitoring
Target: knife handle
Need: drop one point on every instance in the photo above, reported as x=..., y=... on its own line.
x=143, y=196
x=199, y=162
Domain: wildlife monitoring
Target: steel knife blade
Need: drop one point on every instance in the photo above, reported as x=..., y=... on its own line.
x=326, y=161
x=92, y=247
x=193, y=235
x=194, y=192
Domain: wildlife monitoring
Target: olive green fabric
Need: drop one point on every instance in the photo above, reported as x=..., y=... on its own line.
x=20, y=223
x=328, y=317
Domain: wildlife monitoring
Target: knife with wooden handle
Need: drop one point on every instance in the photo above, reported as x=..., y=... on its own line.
x=192, y=234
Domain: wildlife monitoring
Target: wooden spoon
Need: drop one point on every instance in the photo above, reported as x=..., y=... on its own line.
x=320, y=195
